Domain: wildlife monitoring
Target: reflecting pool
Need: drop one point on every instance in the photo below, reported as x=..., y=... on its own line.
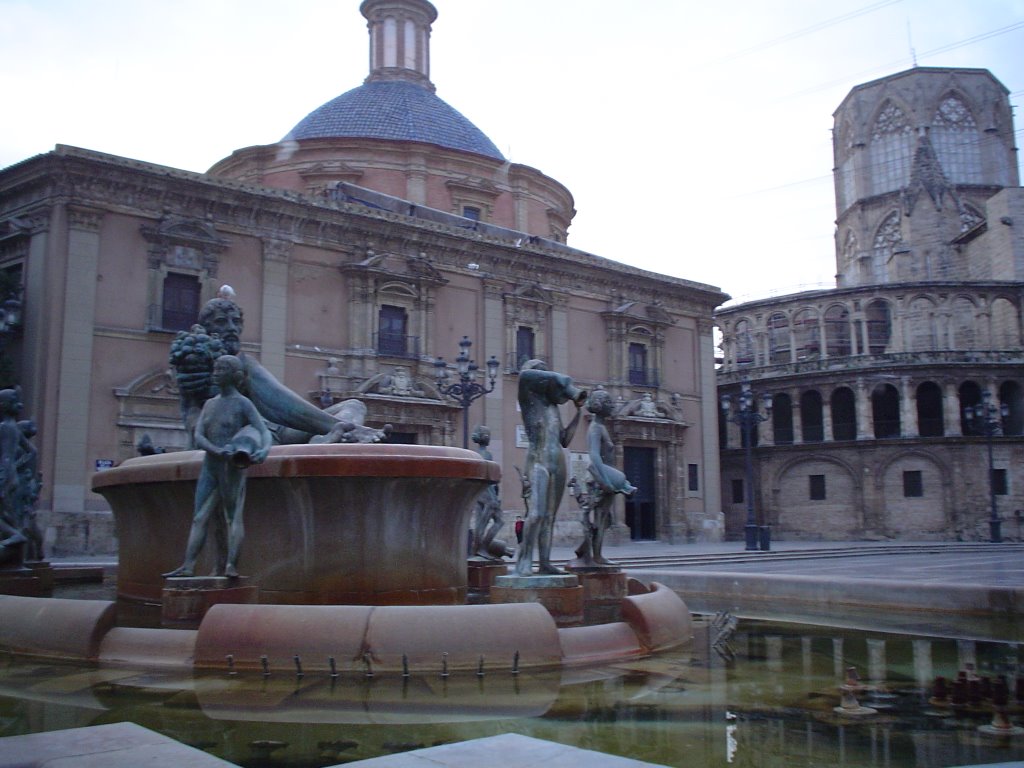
x=766, y=699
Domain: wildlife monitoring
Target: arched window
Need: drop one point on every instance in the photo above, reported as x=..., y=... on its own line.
x=811, y=422
x=930, y=422
x=919, y=325
x=879, y=322
x=778, y=339
x=1012, y=398
x=782, y=419
x=885, y=411
x=892, y=149
x=1005, y=325
x=970, y=396
x=844, y=414
x=807, y=335
x=963, y=321
x=954, y=135
x=888, y=236
x=744, y=343
x=837, y=331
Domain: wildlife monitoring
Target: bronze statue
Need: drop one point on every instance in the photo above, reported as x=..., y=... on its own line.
x=605, y=482
x=487, y=519
x=291, y=418
x=234, y=436
x=540, y=393
x=20, y=483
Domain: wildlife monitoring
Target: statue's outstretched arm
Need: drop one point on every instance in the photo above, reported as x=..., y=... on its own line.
x=276, y=403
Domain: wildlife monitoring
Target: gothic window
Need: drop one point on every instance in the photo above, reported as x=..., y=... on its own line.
x=957, y=142
x=844, y=414
x=846, y=191
x=180, y=308
x=929, y=410
x=888, y=235
x=892, y=149
x=778, y=339
x=879, y=326
x=837, y=331
x=392, y=333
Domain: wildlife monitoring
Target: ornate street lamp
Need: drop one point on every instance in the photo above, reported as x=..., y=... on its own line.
x=466, y=389
x=747, y=417
x=987, y=416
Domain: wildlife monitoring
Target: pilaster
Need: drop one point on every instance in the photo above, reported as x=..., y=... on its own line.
x=274, y=317
x=76, y=343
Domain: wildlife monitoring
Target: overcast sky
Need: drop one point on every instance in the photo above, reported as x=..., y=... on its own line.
x=695, y=137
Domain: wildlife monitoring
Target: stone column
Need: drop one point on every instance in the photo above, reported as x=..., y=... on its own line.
x=826, y=420
x=274, y=317
x=951, y=410
x=908, y=409
x=37, y=304
x=710, y=480
x=864, y=411
x=798, y=422
x=70, y=473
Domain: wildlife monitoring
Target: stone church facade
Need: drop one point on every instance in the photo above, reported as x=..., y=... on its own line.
x=361, y=249
x=882, y=387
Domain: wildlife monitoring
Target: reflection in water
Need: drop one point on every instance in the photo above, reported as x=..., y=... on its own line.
x=772, y=706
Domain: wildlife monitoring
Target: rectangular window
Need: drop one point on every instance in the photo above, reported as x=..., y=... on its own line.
x=999, y=482
x=471, y=212
x=393, y=325
x=638, y=364
x=180, y=307
x=737, y=491
x=817, y=487
x=524, y=345
x=692, y=477
x=913, y=484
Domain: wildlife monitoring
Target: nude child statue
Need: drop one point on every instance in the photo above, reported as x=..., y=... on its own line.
x=234, y=436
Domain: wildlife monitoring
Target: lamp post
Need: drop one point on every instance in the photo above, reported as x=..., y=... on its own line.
x=747, y=417
x=467, y=388
x=987, y=416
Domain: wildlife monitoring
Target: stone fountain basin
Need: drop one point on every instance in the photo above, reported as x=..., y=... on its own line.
x=325, y=524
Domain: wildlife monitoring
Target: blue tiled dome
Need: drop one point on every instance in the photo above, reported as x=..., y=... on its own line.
x=397, y=111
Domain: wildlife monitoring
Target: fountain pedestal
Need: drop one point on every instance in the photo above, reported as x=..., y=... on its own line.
x=185, y=600
x=562, y=595
x=482, y=574
x=603, y=590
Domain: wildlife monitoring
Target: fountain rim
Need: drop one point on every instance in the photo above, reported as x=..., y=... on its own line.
x=341, y=460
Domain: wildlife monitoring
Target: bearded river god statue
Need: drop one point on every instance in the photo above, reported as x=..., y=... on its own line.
x=290, y=418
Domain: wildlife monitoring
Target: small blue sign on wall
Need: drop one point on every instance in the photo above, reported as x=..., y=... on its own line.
x=102, y=464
